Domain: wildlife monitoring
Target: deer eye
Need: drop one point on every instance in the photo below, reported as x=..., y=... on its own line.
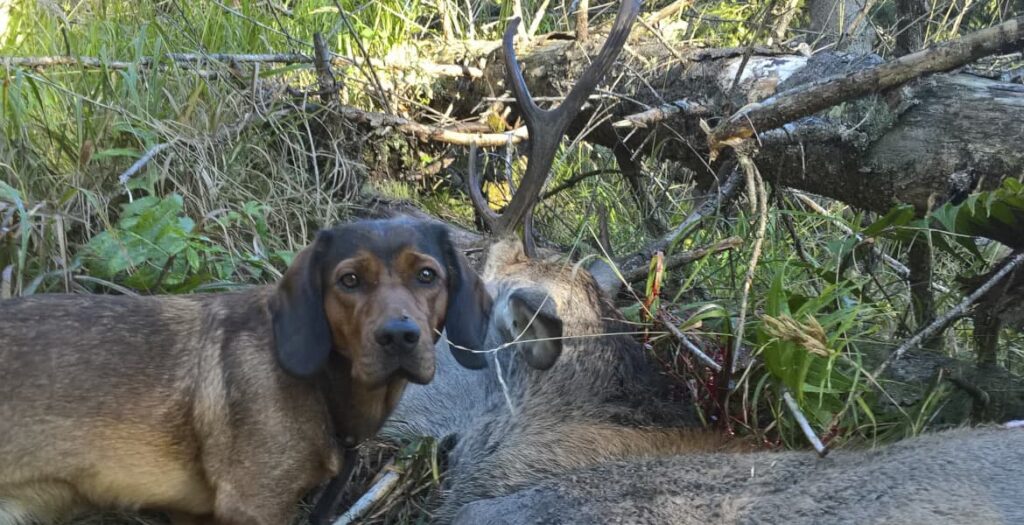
x=426, y=275
x=349, y=280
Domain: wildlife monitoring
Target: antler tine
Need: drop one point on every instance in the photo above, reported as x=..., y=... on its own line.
x=546, y=127
x=475, y=194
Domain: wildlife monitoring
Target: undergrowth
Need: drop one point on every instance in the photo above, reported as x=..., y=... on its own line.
x=244, y=173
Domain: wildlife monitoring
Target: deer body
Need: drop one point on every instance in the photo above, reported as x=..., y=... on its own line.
x=568, y=426
x=958, y=477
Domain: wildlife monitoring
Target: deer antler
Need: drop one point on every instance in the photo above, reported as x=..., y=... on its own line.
x=545, y=127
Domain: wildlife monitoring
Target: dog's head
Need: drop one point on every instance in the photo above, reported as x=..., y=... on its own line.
x=379, y=292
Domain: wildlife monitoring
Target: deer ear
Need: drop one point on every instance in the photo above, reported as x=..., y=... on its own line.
x=469, y=308
x=607, y=278
x=532, y=317
x=302, y=336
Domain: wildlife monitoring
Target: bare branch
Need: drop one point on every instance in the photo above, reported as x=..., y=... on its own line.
x=805, y=426
x=655, y=115
x=685, y=341
x=679, y=259
x=816, y=96
x=900, y=268
x=378, y=491
x=191, y=60
x=639, y=259
x=141, y=163
x=328, y=84
x=940, y=323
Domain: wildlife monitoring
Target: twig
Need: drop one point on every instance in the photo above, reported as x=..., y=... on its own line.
x=370, y=72
x=192, y=60
x=687, y=257
x=537, y=18
x=749, y=48
x=574, y=180
x=378, y=491
x=434, y=133
x=938, y=325
x=726, y=192
x=517, y=12
x=805, y=426
x=954, y=313
x=328, y=84
x=692, y=348
x=897, y=266
x=816, y=96
x=583, y=21
x=139, y=164
x=663, y=112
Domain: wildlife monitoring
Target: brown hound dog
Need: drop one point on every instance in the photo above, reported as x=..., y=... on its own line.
x=225, y=408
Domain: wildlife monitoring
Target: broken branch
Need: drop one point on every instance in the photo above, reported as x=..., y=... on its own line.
x=685, y=341
x=629, y=264
x=816, y=96
x=194, y=59
x=687, y=257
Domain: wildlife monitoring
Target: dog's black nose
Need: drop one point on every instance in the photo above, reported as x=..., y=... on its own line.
x=398, y=334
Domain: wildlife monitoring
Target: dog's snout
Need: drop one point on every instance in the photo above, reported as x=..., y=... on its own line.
x=398, y=334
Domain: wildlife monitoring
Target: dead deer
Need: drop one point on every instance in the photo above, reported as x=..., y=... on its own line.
x=961, y=477
x=570, y=391
x=570, y=387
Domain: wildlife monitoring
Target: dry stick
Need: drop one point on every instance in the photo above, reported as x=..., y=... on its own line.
x=537, y=17
x=573, y=181
x=899, y=267
x=640, y=258
x=759, y=206
x=816, y=96
x=805, y=426
x=669, y=11
x=195, y=59
x=701, y=356
x=663, y=112
x=937, y=325
x=781, y=24
x=328, y=84
x=139, y=164
x=435, y=133
x=378, y=491
x=583, y=21
x=687, y=257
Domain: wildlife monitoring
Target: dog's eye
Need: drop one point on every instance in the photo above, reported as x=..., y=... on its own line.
x=350, y=280
x=426, y=276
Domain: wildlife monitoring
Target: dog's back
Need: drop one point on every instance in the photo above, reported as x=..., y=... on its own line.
x=116, y=379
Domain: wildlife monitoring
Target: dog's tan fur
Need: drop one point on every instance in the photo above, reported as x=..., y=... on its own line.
x=219, y=408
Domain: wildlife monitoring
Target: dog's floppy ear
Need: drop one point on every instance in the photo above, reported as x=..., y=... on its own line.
x=302, y=337
x=469, y=307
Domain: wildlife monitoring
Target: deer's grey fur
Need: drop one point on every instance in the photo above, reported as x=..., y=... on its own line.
x=588, y=441
x=958, y=477
x=599, y=402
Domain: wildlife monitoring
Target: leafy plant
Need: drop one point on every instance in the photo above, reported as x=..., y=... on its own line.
x=155, y=247
x=142, y=249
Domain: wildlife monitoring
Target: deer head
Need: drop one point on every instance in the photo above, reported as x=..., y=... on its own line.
x=527, y=310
